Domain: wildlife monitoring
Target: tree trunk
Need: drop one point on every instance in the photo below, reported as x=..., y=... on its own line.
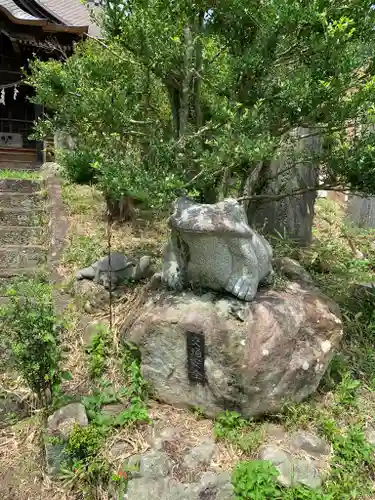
x=290, y=217
x=174, y=99
x=361, y=211
x=198, y=70
x=186, y=82
x=122, y=210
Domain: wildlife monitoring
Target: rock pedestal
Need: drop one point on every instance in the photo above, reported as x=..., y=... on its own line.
x=219, y=353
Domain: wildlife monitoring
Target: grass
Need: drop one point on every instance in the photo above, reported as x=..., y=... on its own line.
x=244, y=434
x=20, y=174
x=88, y=231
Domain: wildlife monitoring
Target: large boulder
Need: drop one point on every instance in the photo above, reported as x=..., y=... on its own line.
x=219, y=353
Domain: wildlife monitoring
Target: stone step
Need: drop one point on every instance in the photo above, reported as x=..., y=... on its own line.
x=24, y=257
x=19, y=185
x=21, y=235
x=20, y=200
x=20, y=217
x=14, y=154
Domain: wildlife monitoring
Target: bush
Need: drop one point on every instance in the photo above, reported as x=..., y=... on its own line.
x=77, y=166
x=84, y=443
x=31, y=330
x=84, y=468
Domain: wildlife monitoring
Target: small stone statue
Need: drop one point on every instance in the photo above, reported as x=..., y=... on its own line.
x=121, y=269
x=214, y=247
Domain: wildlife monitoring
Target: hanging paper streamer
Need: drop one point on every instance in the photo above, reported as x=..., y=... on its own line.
x=2, y=97
x=15, y=92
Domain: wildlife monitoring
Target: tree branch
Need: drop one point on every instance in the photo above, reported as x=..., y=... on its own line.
x=298, y=192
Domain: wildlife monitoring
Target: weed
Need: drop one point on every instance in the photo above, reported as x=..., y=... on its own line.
x=77, y=165
x=98, y=351
x=84, y=442
x=197, y=412
x=302, y=493
x=120, y=480
x=336, y=370
x=359, y=341
x=102, y=395
x=85, y=469
x=32, y=331
x=134, y=393
x=11, y=418
x=283, y=246
x=228, y=421
x=278, y=281
x=328, y=427
x=297, y=416
x=256, y=480
x=346, y=391
x=244, y=434
x=136, y=413
x=131, y=369
x=55, y=440
x=352, y=465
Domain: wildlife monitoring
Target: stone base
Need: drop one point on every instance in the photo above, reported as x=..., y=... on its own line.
x=249, y=357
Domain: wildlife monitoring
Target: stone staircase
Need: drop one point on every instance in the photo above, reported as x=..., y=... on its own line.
x=15, y=159
x=22, y=228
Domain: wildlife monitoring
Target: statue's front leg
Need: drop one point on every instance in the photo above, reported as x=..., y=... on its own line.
x=172, y=274
x=86, y=273
x=243, y=287
x=244, y=273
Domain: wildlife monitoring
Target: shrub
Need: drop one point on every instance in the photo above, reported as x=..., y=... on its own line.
x=84, y=468
x=31, y=330
x=77, y=165
x=83, y=443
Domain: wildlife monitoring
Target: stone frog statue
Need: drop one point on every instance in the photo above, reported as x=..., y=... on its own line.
x=214, y=247
x=110, y=273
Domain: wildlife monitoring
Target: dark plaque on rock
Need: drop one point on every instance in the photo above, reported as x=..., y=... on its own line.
x=195, y=357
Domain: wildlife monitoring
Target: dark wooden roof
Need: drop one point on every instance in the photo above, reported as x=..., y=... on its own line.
x=70, y=12
x=52, y=15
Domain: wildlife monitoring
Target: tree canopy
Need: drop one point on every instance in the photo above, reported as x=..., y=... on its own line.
x=197, y=95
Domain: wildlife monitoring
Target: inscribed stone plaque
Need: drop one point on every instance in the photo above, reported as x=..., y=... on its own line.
x=195, y=357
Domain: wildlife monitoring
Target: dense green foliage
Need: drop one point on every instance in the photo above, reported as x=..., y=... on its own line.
x=255, y=479
x=185, y=94
x=31, y=331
